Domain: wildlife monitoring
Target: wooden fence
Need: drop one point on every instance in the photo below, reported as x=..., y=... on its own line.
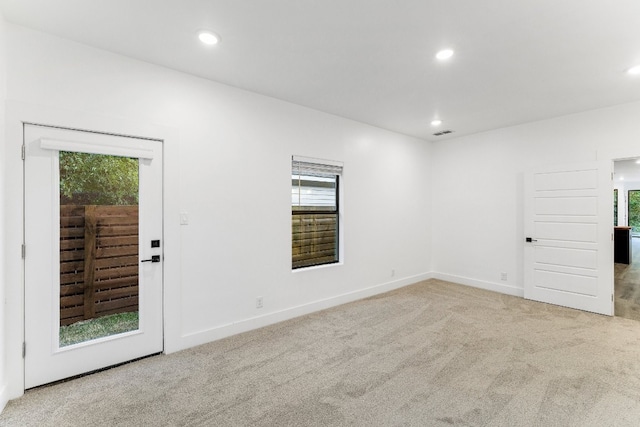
x=314, y=238
x=98, y=261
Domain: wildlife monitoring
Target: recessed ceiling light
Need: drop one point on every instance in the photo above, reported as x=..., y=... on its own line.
x=444, y=54
x=622, y=178
x=634, y=71
x=638, y=162
x=208, y=37
x=436, y=122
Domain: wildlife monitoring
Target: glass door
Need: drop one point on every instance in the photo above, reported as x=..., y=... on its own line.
x=93, y=259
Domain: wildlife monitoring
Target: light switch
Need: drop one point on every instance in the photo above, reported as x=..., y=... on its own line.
x=184, y=218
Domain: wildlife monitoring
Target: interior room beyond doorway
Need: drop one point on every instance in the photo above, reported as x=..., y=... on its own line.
x=627, y=234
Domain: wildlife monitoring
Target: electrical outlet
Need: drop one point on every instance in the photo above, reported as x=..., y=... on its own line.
x=503, y=276
x=259, y=302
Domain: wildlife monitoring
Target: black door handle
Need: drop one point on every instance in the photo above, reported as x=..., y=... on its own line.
x=154, y=258
x=529, y=240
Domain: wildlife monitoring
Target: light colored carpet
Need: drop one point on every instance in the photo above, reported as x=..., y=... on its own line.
x=627, y=285
x=430, y=354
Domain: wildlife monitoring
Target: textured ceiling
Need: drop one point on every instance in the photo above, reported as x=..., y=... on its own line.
x=373, y=60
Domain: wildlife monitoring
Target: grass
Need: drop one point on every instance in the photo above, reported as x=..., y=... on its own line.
x=97, y=328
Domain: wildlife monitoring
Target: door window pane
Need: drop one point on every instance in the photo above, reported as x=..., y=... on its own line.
x=98, y=246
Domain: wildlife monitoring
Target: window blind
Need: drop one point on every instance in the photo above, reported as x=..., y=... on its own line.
x=306, y=168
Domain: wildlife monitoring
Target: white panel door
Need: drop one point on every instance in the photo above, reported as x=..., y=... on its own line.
x=568, y=237
x=93, y=205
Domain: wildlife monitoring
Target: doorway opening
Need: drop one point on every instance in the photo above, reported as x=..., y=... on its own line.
x=627, y=238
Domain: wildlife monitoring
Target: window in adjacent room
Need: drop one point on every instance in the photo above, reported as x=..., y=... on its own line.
x=315, y=213
x=633, y=213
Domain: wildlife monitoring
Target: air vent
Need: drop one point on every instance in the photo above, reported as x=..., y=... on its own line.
x=444, y=132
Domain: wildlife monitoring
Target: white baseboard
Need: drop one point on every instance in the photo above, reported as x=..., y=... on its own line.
x=223, y=331
x=489, y=286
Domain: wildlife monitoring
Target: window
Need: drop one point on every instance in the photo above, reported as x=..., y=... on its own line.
x=633, y=211
x=315, y=219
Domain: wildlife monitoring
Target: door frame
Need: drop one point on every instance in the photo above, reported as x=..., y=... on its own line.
x=615, y=156
x=45, y=360
x=17, y=114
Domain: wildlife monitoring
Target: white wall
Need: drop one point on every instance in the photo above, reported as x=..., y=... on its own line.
x=478, y=228
x=228, y=166
x=3, y=394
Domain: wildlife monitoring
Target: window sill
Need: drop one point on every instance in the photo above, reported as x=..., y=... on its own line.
x=317, y=267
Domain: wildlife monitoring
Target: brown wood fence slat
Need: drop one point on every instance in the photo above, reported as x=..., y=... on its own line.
x=67, y=279
x=117, y=220
x=72, y=301
x=302, y=239
x=313, y=248
x=113, y=306
x=71, y=266
x=72, y=315
x=116, y=261
x=72, y=221
x=113, y=294
x=313, y=255
x=67, y=290
x=112, y=273
x=126, y=230
x=71, y=244
x=77, y=233
x=106, y=280
x=71, y=256
x=117, y=283
x=118, y=251
x=117, y=210
x=117, y=241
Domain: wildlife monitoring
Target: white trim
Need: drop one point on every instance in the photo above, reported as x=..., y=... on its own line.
x=83, y=147
x=222, y=331
x=481, y=284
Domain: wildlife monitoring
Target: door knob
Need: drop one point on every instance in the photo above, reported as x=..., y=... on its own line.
x=154, y=258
